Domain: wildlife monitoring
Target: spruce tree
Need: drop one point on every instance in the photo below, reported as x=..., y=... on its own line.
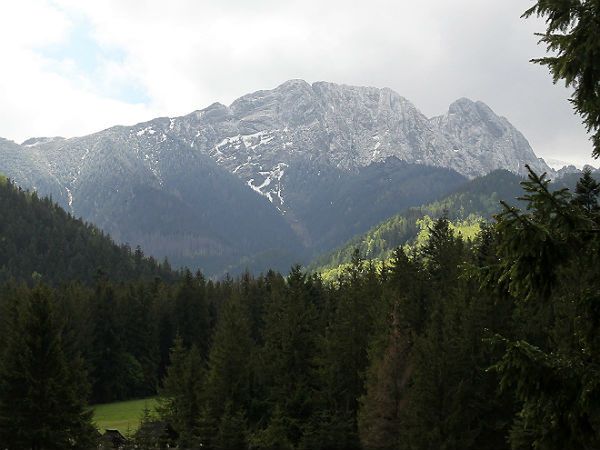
x=207, y=427
x=232, y=431
x=442, y=254
x=191, y=313
x=400, y=317
x=549, y=258
x=343, y=354
x=180, y=396
x=572, y=37
x=347, y=337
x=379, y=417
x=109, y=359
x=42, y=388
x=275, y=435
x=139, y=340
x=229, y=365
x=287, y=359
x=587, y=192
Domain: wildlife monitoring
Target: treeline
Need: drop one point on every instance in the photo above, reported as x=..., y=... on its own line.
x=485, y=344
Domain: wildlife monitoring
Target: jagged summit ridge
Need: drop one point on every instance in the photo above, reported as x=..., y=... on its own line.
x=350, y=127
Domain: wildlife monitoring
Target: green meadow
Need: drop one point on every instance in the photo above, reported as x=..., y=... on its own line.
x=123, y=416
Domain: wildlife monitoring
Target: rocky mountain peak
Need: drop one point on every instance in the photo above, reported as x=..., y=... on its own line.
x=216, y=111
x=466, y=110
x=461, y=106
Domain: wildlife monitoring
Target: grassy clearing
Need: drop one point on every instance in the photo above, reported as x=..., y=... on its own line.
x=123, y=416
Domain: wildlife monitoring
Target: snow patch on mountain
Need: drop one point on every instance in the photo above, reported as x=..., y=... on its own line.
x=271, y=185
x=70, y=198
x=148, y=130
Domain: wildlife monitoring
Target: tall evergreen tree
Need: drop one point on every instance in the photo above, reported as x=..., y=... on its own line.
x=386, y=390
x=572, y=37
x=181, y=393
x=109, y=359
x=442, y=253
x=402, y=314
x=587, y=192
x=191, y=313
x=287, y=366
x=344, y=348
x=229, y=375
x=232, y=431
x=275, y=436
x=139, y=339
x=549, y=256
x=42, y=388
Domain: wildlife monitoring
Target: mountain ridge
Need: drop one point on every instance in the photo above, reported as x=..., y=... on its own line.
x=246, y=164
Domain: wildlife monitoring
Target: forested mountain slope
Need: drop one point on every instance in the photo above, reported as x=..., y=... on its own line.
x=474, y=200
x=478, y=198
x=40, y=241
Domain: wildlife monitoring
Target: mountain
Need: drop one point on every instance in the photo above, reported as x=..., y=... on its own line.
x=568, y=177
x=558, y=165
x=151, y=190
x=272, y=179
x=21, y=164
x=478, y=198
x=350, y=127
x=39, y=240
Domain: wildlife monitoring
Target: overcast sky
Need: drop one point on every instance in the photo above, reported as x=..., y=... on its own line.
x=71, y=67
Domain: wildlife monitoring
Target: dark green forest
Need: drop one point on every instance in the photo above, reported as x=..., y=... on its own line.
x=41, y=241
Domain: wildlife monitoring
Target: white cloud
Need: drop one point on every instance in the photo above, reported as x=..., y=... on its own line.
x=41, y=96
x=187, y=54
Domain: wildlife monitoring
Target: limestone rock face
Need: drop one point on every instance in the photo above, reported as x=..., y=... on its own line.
x=349, y=127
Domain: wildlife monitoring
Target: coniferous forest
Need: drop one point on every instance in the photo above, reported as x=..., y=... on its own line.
x=457, y=344
x=491, y=343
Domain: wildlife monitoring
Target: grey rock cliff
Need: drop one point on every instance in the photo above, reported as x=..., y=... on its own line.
x=349, y=127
